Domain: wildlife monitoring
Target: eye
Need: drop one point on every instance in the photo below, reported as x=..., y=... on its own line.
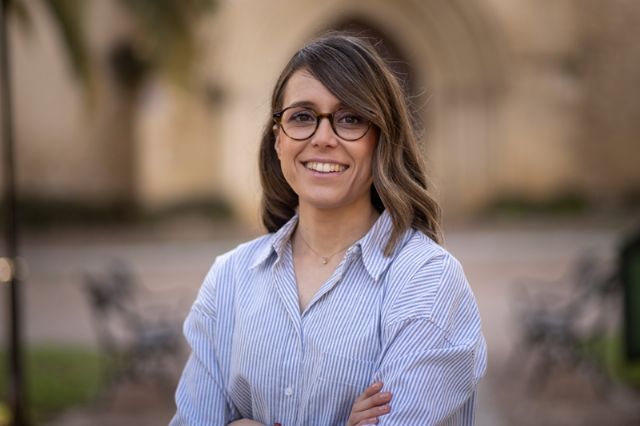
x=303, y=116
x=349, y=118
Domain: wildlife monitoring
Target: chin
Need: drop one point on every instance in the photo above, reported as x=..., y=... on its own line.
x=326, y=205
x=330, y=199
x=323, y=202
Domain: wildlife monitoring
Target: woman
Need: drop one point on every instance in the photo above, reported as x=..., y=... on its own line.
x=350, y=287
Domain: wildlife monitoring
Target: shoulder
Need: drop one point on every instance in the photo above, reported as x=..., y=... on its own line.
x=223, y=273
x=435, y=263
x=243, y=256
x=433, y=299
x=420, y=258
x=422, y=248
x=424, y=280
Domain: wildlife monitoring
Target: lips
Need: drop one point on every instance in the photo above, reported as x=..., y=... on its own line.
x=323, y=167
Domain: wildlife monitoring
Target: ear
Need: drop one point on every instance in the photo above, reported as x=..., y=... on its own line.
x=276, y=144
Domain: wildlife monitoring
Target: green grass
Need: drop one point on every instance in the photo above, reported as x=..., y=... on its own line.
x=58, y=377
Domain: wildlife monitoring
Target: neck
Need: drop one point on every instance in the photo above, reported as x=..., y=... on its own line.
x=329, y=231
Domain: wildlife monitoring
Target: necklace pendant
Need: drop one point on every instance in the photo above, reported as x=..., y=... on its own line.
x=325, y=260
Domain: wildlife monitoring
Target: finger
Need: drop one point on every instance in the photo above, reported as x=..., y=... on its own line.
x=370, y=391
x=362, y=421
x=377, y=411
x=373, y=401
x=368, y=422
x=370, y=414
x=360, y=413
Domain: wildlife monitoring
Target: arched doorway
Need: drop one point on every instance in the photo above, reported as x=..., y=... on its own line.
x=452, y=60
x=395, y=57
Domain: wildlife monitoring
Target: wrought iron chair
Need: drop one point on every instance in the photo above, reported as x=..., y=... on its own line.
x=137, y=345
x=556, y=328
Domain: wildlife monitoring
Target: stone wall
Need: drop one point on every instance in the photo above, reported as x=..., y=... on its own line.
x=528, y=98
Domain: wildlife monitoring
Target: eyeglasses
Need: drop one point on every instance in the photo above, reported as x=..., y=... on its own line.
x=300, y=123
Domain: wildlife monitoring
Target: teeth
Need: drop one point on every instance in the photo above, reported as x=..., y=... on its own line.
x=325, y=167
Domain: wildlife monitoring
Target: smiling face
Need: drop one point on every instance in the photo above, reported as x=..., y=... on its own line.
x=325, y=171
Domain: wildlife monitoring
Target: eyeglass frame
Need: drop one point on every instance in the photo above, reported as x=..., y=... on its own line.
x=277, y=118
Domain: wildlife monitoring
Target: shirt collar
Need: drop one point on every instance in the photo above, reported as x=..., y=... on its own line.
x=372, y=246
x=277, y=242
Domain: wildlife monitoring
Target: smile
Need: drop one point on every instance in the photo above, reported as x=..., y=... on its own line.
x=325, y=167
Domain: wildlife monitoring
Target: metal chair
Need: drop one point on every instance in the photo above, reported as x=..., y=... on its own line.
x=555, y=328
x=137, y=345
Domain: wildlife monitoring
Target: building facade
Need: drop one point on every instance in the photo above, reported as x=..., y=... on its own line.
x=527, y=98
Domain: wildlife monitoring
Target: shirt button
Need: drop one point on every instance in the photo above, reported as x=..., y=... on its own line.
x=288, y=391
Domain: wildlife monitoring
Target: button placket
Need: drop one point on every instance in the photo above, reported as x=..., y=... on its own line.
x=290, y=384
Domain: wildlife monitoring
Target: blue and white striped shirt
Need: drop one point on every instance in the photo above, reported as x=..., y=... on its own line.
x=409, y=320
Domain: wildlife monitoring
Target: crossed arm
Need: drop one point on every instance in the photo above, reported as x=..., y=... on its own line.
x=371, y=404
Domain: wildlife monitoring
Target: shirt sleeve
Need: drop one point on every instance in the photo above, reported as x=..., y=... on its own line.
x=433, y=350
x=201, y=396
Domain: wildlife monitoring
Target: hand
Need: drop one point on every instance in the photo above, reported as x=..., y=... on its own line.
x=245, y=422
x=369, y=405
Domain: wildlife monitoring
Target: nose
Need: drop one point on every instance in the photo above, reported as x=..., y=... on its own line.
x=324, y=135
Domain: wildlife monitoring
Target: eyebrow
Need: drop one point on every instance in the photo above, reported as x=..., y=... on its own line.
x=310, y=104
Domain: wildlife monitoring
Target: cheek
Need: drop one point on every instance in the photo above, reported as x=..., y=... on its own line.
x=370, y=155
x=287, y=158
x=285, y=153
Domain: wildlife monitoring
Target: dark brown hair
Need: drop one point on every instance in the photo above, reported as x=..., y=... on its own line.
x=351, y=69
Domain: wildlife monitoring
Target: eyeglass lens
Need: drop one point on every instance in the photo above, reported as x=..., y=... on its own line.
x=301, y=123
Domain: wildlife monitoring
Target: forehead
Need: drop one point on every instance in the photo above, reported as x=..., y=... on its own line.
x=302, y=87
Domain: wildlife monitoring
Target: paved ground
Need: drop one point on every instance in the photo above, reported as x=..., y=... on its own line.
x=171, y=263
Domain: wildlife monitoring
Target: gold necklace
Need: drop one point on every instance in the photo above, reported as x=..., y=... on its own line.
x=325, y=259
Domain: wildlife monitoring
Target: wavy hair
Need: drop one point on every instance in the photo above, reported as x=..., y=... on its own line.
x=352, y=70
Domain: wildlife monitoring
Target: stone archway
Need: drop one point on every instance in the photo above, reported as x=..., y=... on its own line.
x=387, y=47
x=455, y=58
x=395, y=58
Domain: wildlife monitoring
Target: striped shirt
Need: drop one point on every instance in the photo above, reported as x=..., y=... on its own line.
x=409, y=320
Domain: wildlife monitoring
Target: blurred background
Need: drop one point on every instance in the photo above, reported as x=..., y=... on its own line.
x=136, y=135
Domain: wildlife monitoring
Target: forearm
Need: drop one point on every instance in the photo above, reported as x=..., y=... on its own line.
x=431, y=387
x=201, y=396
x=245, y=422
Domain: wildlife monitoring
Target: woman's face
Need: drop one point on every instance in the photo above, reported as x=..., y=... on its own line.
x=325, y=171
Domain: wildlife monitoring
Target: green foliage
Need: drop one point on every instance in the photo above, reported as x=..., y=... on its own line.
x=58, y=377
x=20, y=11
x=609, y=353
x=67, y=14
x=215, y=209
x=36, y=213
x=564, y=204
x=166, y=38
x=164, y=32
